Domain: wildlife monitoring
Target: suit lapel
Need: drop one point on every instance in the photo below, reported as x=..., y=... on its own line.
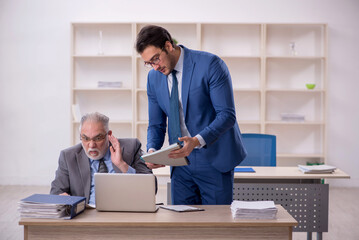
x=84, y=169
x=188, y=67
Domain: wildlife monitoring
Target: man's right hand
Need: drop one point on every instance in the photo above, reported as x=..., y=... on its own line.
x=152, y=165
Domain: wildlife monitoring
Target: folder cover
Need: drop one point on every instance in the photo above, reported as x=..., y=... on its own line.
x=42, y=205
x=241, y=169
x=161, y=157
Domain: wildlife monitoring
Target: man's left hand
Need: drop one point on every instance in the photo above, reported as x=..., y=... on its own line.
x=189, y=144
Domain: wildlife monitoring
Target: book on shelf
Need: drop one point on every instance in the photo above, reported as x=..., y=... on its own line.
x=254, y=209
x=316, y=168
x=292, y=117
x=51, y=206
x=76, y=113
x=106, y=84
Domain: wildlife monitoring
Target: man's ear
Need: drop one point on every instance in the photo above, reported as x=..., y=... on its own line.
x=109, y=133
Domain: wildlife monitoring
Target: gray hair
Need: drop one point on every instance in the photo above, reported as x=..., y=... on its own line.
x=95, y=117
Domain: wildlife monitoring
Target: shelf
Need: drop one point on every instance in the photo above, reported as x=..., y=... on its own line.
x=296, y=57
x=320, y=123
x=246, y=90
x=87, y=72
x=184, y=33
x=247, y=105
x=142, y=122
x=141, y=90
x=269, y=64
x=103, y=89
x=243, y=57
x=284, y=155
x=231, y=39
x=112, y=122
x=308, y=39
x=245, y=72
x=295, y=90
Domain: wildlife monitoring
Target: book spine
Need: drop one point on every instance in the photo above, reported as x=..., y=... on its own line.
x=78, y=208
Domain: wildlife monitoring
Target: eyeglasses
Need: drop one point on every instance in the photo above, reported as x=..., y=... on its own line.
x=96, y=139
x=154, y=61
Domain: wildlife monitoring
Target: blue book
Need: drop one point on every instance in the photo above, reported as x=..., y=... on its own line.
x=52, y=206
x=241, y=169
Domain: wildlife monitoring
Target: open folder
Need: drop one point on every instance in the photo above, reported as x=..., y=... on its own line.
x=161, y=157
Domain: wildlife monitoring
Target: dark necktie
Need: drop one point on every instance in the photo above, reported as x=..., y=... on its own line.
x=102, y=168
x=174, y=120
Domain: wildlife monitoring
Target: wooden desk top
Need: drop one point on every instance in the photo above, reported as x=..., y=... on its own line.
x=287, y=173
x=213, y=216
x=271, y=173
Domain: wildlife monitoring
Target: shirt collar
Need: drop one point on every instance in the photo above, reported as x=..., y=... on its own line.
x=179, y=65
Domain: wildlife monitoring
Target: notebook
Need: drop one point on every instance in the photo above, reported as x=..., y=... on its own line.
x=125, y=192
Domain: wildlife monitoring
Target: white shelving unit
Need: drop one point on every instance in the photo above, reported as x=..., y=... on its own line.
x=270, y=65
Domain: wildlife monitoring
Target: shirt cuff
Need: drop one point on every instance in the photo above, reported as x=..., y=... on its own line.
x=202, y=142
x=131, y=170
x=152, y=149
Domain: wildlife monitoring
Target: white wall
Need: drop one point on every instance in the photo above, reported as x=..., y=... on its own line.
x=35, y=70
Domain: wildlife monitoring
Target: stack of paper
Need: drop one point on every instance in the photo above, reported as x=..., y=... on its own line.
x=316, y=168
x=51, y=206
x=254, y=209
x=104, y=84
x=35, y=210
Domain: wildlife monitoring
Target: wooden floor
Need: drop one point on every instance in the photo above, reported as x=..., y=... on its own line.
x=343, y=212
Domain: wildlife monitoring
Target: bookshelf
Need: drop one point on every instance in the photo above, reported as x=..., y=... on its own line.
x=270, y=65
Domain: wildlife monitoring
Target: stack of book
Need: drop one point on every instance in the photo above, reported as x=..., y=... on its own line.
x=104, y=84
x=316, y=168
x=254, y=209
x=51, y=206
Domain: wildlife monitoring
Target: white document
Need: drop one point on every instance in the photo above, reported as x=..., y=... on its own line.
x=181, y=208
x=317, y=168
x=161, y=157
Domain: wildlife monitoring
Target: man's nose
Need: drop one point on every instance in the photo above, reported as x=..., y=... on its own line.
x=92, y=144
x=156, y=67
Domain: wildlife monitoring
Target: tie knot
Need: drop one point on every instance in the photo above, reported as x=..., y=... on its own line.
x=174, y=72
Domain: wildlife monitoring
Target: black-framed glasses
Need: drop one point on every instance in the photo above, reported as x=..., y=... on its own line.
x=96, y=139
x=154, y=61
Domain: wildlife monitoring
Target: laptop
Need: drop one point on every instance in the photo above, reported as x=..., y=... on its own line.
x=125, y=192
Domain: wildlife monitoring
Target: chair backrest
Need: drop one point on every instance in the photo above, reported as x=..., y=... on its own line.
x=261, y=149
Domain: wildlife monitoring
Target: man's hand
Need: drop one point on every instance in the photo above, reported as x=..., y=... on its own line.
x=64, y=194
x=116, y=154
x=152, y=165
x=189, y=144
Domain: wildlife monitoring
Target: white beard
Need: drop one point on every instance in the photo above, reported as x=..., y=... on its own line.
x=97, y=156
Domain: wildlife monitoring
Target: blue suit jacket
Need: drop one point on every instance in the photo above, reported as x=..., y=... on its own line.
x=208, y=106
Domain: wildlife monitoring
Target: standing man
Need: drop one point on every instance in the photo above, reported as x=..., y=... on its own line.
x=99, y=151
x=193, y=89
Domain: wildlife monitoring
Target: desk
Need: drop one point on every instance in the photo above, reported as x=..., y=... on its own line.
x=302, y=195
x=290, y=174
x=215, y=222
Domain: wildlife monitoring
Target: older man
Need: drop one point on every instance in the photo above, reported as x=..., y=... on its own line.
x=99, y=151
